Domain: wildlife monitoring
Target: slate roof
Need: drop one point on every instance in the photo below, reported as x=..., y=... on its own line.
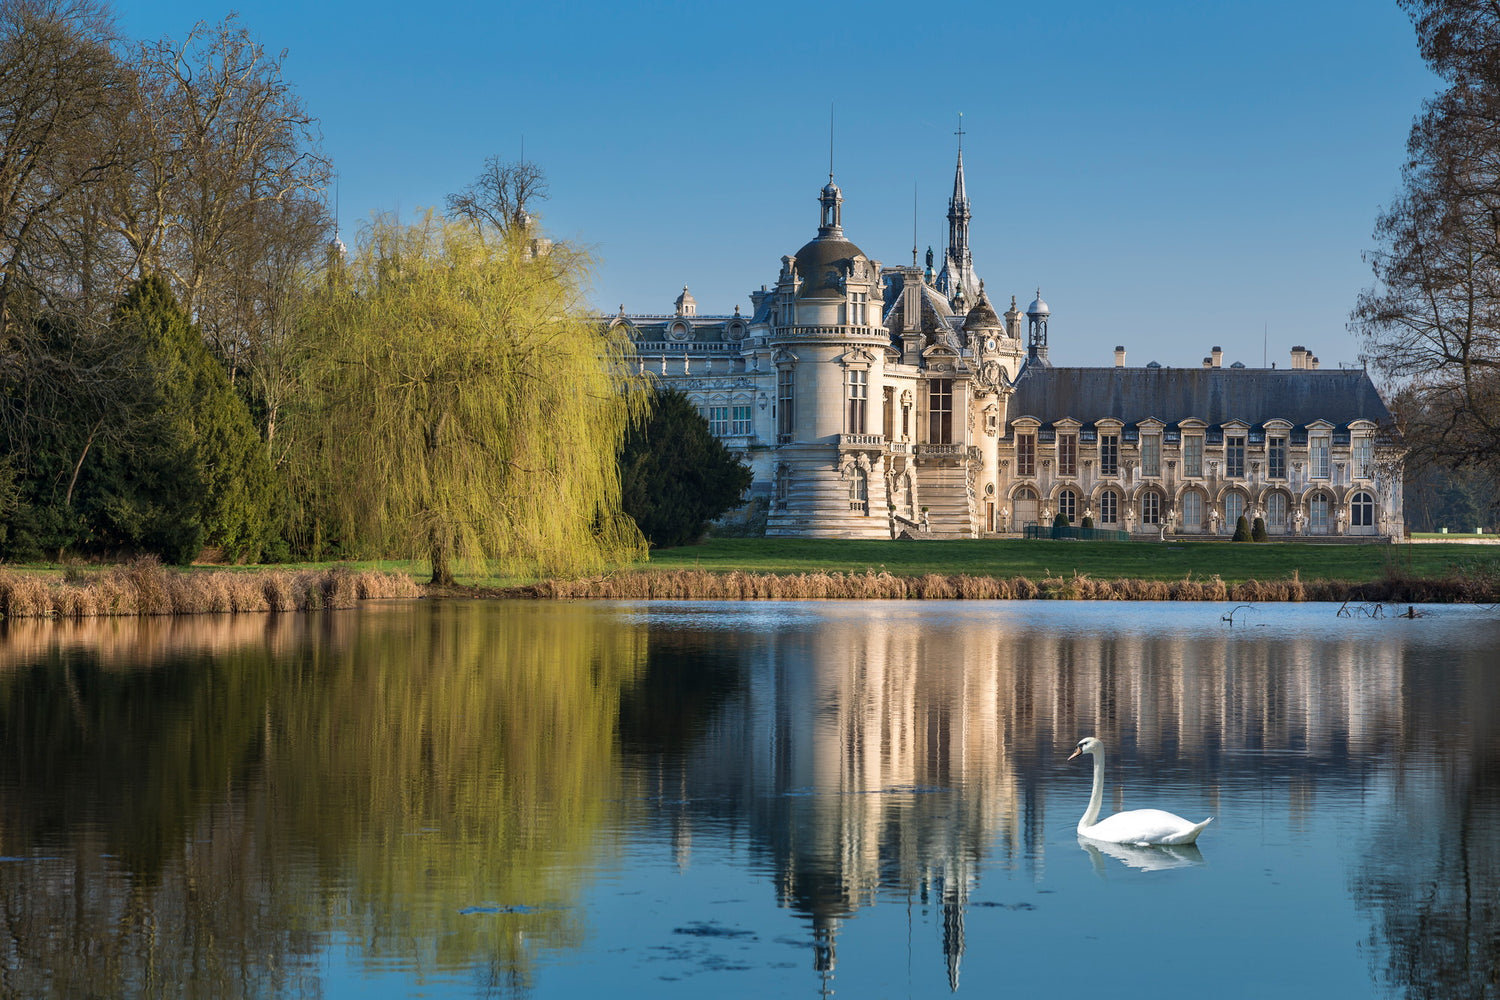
x=822, y=263
x=1214, y=395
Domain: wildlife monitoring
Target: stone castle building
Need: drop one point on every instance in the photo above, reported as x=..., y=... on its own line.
x=874, y=400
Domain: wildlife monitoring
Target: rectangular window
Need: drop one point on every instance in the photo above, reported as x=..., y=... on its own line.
x=1025, y=454
x=1234, y=456
x=718, y=421
x=1067, y=505
x=784, y=404
x=858, y=388
x=1150, y=454
x=940, y=411
x=859, y=304
x=1192, y=455
x=1276, y=458
x=1109, y=507
x=739, y=424
x=1109, y=454
x=888, y=411
x=1318, y=455
x=1364, y=457
x=1150, y=507
x=1067, y=454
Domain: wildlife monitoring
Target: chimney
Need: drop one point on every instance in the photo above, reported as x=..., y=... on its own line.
x=1312, y=362
x=1119, y=355
x=1208, y=362
x=1218, y=356
x=1297, y=355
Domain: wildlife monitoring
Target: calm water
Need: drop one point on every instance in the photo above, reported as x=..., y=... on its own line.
x=760, y=799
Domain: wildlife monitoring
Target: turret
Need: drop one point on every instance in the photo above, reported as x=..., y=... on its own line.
x=1037, y=315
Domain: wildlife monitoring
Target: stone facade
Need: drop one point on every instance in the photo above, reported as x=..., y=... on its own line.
x=872, y=401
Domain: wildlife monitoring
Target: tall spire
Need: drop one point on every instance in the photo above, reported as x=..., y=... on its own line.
x=958, y=262
x=958, y=211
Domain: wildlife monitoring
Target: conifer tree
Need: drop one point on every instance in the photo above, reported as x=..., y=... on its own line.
x=676, y=476
x=192, y=471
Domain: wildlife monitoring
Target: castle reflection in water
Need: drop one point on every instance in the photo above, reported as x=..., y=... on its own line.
x=899, y=754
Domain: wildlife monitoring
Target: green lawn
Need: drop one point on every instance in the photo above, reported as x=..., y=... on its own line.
x=1232, y=562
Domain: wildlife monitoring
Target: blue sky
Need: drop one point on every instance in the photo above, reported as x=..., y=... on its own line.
x=1172, y=175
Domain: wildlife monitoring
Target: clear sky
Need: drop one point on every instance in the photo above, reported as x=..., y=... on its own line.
x=1171, y=175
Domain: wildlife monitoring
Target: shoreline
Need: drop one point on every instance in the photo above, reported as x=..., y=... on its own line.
x=149, y=589
x=872, y=585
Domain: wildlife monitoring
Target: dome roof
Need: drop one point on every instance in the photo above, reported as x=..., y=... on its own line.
x=982, y=316
x=1038, y=307
x=822, y=263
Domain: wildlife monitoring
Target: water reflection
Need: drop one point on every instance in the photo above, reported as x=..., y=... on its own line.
x=902, y=753
x=205, y=806
x=1144, y=857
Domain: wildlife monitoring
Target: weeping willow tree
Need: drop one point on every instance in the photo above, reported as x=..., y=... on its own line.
x=461, y=404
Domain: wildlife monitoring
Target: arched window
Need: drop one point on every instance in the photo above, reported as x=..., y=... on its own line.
x=1026, y=509
x=1276, y=512
x=1109, y=507
x=1151, y=507
x=1067, y=504
x=1234, y=509
x=1192, y=511
x=1362, y=510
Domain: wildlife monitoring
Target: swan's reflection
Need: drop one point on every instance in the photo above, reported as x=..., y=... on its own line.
x=1145, y=857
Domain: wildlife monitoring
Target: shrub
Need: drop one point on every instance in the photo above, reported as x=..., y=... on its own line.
x=1088, y=522
x=1241, y=530
x=1258, y=531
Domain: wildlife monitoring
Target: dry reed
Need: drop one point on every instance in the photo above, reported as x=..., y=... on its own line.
x=145, y=587
x=739, y=585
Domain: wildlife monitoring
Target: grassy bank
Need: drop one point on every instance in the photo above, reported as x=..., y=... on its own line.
x=147, y=588
x=1232, y=563
x=701, y=585
x=1028, y=570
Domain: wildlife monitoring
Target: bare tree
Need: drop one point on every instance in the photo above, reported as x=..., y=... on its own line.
x=499, y=196
x=1431, y=322
x=60, y=83
x=228, y=143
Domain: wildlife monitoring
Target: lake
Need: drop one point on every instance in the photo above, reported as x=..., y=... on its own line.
x=663, y=799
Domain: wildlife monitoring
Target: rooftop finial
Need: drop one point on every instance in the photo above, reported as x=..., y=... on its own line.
x=830, y=142
x=913, y=223
x=960, y=133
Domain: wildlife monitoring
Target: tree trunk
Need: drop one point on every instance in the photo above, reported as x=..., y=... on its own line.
x=442, y=569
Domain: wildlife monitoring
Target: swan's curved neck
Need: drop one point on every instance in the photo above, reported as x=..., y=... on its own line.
x=1096, y=800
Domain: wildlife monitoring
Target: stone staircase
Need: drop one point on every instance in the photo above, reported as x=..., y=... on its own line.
x=943, y=489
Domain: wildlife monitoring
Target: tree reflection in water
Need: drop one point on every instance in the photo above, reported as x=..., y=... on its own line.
x=197, y=818
x=1432, y=877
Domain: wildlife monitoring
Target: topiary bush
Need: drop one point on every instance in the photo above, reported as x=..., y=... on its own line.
x=1241, y=530
x=1258, y=531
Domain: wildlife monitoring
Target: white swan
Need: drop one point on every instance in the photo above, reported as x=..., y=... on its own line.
x=1136, y=826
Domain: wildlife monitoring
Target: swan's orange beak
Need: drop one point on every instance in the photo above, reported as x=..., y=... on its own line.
x=1075, y=753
